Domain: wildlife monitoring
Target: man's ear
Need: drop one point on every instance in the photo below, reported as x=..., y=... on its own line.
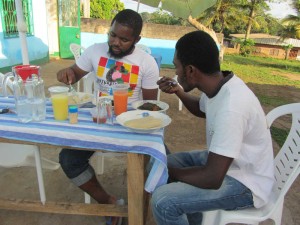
x=189, y=69
x=137, y=39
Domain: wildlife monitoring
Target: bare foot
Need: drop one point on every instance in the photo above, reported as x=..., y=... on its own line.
x=113, y=220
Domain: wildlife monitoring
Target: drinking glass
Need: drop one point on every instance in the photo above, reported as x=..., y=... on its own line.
x=59, y=98
x=120, y=92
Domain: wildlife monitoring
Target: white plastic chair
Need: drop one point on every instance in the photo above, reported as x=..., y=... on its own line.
x=287, y=169
x=144, y=48
x=76, y=50
x=19, y=155
x=9, y=84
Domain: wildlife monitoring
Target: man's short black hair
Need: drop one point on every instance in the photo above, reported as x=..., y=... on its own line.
x=130, y=18
x=198, y=48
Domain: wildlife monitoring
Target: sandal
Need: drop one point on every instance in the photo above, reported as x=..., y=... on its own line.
x=109, y=219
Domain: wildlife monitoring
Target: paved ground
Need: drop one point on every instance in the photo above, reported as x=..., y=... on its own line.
x=19, y=183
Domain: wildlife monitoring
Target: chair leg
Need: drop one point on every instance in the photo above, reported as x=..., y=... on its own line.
x=180, y=105
x=40, y=175
x=78, y=86
x=211, y=218
x=99, y=164
x=277, y=214
x=87, y=198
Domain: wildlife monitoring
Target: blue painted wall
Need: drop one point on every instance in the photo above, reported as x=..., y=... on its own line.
x=165, y=48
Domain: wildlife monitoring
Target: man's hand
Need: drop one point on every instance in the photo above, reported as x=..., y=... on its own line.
x=168, y=85
x=66, y=76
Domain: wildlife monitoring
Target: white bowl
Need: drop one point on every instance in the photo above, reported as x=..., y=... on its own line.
x=80, y=98
x=138, y=114
x=164, y=106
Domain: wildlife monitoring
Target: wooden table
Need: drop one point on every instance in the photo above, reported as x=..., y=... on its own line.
x=138, y=147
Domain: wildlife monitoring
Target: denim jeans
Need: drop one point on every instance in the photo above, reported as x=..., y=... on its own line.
x=75, y=164
x=179, y=203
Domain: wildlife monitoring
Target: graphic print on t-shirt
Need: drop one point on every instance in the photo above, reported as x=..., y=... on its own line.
x=111, y=71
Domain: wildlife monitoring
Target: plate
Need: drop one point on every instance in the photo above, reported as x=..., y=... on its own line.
x=164, y=106
x=80, y=98
x=139, y=114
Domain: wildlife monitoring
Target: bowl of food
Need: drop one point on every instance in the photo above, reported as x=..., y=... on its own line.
x=150, y=105
x=79, y=98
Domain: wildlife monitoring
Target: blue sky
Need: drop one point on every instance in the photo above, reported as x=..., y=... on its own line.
x=280, y=10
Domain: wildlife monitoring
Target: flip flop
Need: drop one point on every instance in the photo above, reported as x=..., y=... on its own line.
x=109, y=221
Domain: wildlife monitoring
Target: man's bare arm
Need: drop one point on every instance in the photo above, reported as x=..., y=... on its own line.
x=71, y=74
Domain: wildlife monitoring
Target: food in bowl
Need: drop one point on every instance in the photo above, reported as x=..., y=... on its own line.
x=150, y=106
x=148, y=122
x=78, y=98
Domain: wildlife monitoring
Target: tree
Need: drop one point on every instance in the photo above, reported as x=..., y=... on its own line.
x=287, y=49
x=291, y=23
x=224, y=14
x=105, y=9
x=256, y=8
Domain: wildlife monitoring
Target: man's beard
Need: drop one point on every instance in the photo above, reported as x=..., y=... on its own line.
x=122, y=53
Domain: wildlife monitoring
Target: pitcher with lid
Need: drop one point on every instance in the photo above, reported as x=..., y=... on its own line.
x=29, y=93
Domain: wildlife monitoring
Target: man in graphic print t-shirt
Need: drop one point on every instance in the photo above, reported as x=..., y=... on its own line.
x=116, y=61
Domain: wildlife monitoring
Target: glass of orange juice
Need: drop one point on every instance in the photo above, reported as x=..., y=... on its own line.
x=120, y=98
x=59, y=98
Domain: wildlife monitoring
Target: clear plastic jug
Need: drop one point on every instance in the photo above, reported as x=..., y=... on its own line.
x=28, y=91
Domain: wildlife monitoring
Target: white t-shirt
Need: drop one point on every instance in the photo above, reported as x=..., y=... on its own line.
x=236, y=127
x=138, y=69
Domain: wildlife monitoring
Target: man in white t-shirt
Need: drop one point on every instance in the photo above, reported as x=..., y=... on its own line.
x=237, y=170
x=117, y=61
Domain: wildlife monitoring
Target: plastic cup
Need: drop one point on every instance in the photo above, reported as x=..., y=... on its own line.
x=120, y=98
x=59, y=98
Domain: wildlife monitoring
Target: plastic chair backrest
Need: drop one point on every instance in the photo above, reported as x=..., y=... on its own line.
x=287, y=161
x=76, y=50
x=8, y=83
x=144, y=48
x=88, y=83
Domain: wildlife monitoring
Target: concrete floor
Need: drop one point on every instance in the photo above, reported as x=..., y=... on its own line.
x=21, y=183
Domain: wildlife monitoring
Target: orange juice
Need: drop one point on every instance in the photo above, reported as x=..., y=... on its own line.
x=60, y=106
x=120, y=102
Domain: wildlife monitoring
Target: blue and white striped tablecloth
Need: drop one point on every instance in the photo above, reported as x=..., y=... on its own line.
x=88, y=135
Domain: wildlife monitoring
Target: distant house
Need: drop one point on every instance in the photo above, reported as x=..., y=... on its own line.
x=267, y=45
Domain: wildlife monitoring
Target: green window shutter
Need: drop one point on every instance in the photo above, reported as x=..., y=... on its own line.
x=9, y=17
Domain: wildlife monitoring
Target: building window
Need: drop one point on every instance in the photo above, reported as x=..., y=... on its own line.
x=274, y=52
x=257, y=50
x=9, y=17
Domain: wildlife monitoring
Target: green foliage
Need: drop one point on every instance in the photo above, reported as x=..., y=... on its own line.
x=105, y=9
x=246, y=46
x=160, y=17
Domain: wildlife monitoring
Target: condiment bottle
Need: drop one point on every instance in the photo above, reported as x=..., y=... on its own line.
x=73, y=114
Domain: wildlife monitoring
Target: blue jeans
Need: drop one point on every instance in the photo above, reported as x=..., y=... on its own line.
x=179, y=203
x=75, y=164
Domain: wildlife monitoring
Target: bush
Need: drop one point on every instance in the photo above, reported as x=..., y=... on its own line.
x=246, y=46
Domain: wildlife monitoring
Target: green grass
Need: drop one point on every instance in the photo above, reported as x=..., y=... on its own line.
x=279, y=135
x=261, y=74
x=256, y=71
x=261, y=70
